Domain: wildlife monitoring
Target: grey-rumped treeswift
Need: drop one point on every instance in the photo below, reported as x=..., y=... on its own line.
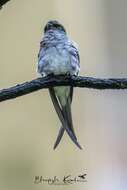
x=58, y=55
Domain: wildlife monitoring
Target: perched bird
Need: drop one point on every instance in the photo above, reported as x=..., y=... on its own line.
x=82, y=176
x=58, y=55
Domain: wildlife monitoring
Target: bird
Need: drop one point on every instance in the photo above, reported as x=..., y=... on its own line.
x=58, y=55
x=82, y=176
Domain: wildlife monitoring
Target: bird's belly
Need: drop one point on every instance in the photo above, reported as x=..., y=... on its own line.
x=56, y=62
x=58, y=65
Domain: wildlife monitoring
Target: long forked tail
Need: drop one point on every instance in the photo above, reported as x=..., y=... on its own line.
x=59, y=137
x=64, y=114
x=62, y=130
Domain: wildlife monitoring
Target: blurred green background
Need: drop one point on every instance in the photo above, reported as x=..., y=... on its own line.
x=29, y=124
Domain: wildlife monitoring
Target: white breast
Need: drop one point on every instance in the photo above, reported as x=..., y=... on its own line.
x=57, y=61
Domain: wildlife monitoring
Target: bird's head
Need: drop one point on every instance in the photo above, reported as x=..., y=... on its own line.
x=54, y=25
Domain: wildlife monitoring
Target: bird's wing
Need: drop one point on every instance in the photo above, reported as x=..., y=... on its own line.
x=41, y=57
x=73, y=52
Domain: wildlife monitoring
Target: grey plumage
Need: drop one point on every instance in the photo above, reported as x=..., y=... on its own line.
x=58, y=55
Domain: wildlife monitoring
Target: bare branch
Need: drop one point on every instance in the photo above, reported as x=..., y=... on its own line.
x=2, y=2
x=50, y=81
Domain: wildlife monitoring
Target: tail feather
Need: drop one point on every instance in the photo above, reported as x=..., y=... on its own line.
x=67, y=114
x=62, y=114
x=61, y=130
x=59, y=137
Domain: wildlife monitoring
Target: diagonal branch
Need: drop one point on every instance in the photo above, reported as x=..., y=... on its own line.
x=2, y=2
x=50, y=81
